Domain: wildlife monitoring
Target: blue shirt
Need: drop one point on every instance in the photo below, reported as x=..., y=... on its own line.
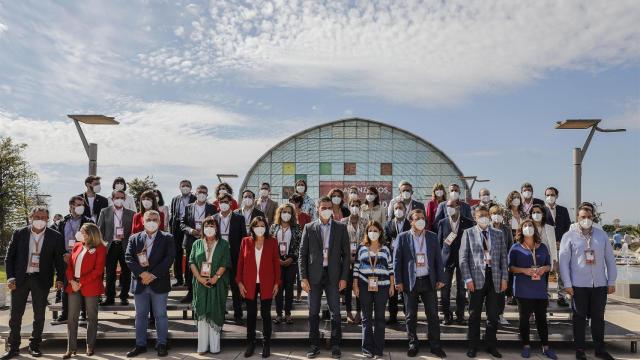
x=523, y=286
x=363, y=268
x=617, y=238
x=575, y=271
x=420, y=247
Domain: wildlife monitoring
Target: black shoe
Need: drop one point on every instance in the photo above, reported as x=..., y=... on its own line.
x=34, y=350
x=448, y=319
x=251, y=346
x=238, y=321
x=124, y=302
x=162, y=350
x=313, y=352
x=392, y=320
x=412, y=352
x=136, y=351
x=107, y=302
x=604, y=355
x=580, y=355
x=266, y=349
x=335, y=352
x=439, y=352
x=10, y=354
x=494, y=352
x=471, y=353
x=187, y=299
x=367, y=354
x=60, y=320
x=460, y=320
x=562, y=302
x=178, y=283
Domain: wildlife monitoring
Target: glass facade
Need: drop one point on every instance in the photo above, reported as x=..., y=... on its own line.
x=353, y=152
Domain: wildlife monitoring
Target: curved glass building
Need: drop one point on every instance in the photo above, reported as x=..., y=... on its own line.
x=352, y=152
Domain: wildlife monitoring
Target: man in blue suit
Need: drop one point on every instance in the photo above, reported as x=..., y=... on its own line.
x=149, y=256
x=454, y=194
x=419, y=273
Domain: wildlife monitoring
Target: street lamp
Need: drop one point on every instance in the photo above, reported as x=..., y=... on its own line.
x=579, y=153
x=91, y=148
x=220, y=176
x=475, y=180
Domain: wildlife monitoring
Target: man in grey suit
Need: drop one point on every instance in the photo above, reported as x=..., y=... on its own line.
x=483, y=263
x=324, y=266
x=115, y=225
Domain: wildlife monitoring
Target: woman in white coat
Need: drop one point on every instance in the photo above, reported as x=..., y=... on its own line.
x=547, y=233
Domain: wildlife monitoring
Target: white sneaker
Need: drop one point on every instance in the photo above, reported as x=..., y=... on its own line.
x=503, y=321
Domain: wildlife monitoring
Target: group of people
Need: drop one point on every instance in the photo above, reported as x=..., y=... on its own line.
x=340, y=245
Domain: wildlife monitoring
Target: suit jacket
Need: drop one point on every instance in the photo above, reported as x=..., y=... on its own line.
x=269, y=210
x=91, y=269
x=99, y=203
x=404, y=260
x=160, y=259
x=174, y=220
x=562, y=221
x=255, y=212
x=311, y=258
x=237, y=231
x=188, y=223
x=391, y=232
x=247, y=270
x=441, y=213
x=471, y=260
x=63, y=223
x=51, y=251
x=107, y=228
x=415, y=204
x=450, y=252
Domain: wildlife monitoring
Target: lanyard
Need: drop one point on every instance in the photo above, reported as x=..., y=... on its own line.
x=147, y=246
x=373, y=262
x=587, y=238
x=37, y=243
x=421, y=243
x=225, y=231
x=201, y=215
x=533, y=253
x=283, y=234
x=115, y=214
x=398, y=228
x=454, y=224
x=209, y=255
x=357, y=230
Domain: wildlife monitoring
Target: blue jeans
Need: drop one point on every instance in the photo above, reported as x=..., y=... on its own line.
x=159, y=304
x=373, y=323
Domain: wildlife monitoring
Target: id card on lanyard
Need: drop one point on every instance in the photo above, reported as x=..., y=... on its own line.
x=34, y=258
x=205, y=268
x=421, y=255
x=534, y=267
x=373, y=280
x=589, y=254
x=487, y=252
x=119, y=235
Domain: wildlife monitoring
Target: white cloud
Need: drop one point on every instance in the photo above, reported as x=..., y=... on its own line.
x=630, y=118
x=179, y=31
x=3, y=28
x=421, y=52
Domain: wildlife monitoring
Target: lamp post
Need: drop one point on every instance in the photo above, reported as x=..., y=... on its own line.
x=91, y=148
x=475, y=180
x=579, y=153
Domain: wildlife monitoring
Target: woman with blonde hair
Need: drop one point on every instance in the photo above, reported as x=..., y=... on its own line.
x=84, y=273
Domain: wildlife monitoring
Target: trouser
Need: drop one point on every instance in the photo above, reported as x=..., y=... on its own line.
x=561, y=293
x=490, y=298
x=373, y=324
x=115, y=256
x=158, y=302
x=188, y=275
x=252, y=315
x=348, y=297
x=178, y=235
x=75, y=303
x=284, y=298
x=394, y=301
x=65, y=301
x=19, y=298
x=445, y=292
x=526, y=307
x=589, y=302
x=423, y=289
x=235, y=296
x=208, y=338
x=333, y=300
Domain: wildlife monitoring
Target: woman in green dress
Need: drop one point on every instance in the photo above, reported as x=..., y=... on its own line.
x=209, y=260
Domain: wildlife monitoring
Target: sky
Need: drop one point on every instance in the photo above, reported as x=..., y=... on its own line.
x=201, y=88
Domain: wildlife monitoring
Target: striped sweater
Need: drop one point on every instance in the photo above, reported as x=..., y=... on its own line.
x=363, y=266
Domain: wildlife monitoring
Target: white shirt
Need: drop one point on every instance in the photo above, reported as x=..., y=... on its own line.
x=284, y=236
x=149, y=243
x=258, y=257
x=117, y=220
x=35, y=238
x=247, y=216
x=225, y=224
x=77, y=269
x=553, y=211
x=198, y=212
x=91, y=200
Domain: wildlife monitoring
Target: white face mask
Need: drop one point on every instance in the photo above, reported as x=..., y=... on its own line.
x=485, y=199
x=223, y=192
x=79, y=210
x=371, y=197
x=484, y=222
x=224, y=206
x=209, y=231
x=119, y=186
x=79, y=236
x=406, y=195
x=527, y=194
x=264, y=193
x=537, y=217
x=336, y=200
x=97, y=188
x=420, y=224
x=353, y=196
x=399, y=213
x=586, y=223
x=151, y=226
x=373, y=235
x=202, y=197
x=118, y=202
x=39, y=224
x=185, y=190
x=259, y=230
x=285, y=217
x=300, y=189
x=247, y=202
x=355, y=210
x=326, y=214
x=147, y=203
x=451, y=211
x=454, y=195
x=515, y=202
x=551, y=199
x=439, y=193
x=528, y=231
x=497, y=218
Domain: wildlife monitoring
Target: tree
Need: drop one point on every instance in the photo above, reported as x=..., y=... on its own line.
x=137, y=186
x=19, y=185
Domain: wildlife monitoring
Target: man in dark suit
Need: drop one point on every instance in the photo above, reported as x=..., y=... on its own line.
x=191, y=226
x=265, y=203
x=115, y=225
x=526, y=190
x=392, y=229
x=419, y=273
x=178, y=205
x=558, y=216
x=450, y=231
x=231, y=227
x=454, y=195
x=34, y=254
x=149, y=256
x=93, y=202
x=248, y=209
x=485, y=200
x=405, y=196
x=324, y=267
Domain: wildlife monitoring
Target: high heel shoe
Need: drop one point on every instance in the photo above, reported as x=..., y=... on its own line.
x=90, y=352
x=68, y=354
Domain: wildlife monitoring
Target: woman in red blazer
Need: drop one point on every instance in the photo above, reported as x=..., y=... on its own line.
x=148, y=201
x=258, y=272
x=84, y=278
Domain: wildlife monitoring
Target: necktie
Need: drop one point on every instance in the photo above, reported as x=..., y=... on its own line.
x=484, y=239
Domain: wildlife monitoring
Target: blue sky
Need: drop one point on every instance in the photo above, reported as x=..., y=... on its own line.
x=206, y=87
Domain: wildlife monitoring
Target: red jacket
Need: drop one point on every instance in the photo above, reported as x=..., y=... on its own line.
x=138, y=223
x=303, y=219
x=432, y=208
x=91, y=271
x=269, y=267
